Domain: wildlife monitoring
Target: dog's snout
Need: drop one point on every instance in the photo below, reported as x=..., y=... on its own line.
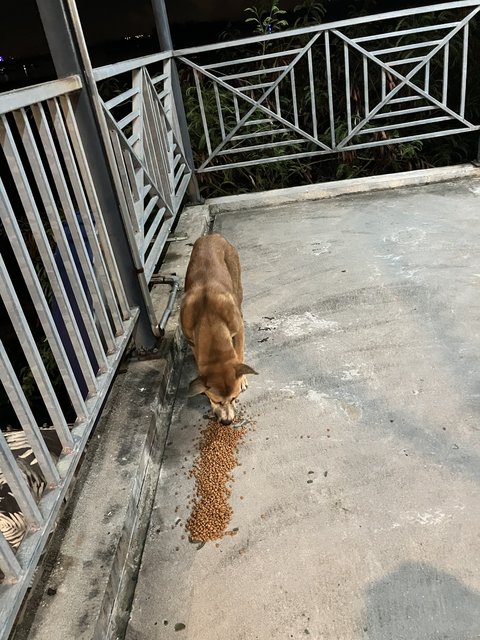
x=225, y=413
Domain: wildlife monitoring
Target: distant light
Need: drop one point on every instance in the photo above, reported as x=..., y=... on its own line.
x=137, y=37
x=2, y=59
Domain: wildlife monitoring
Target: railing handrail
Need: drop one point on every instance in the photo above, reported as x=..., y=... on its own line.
x=110, y=70
x=115, y=69
x=327, y=26
x=21, y=98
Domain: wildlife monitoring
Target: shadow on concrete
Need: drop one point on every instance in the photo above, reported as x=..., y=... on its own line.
x=419, y=602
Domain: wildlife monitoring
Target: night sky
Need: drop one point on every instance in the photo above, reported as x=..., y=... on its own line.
x=21, y=33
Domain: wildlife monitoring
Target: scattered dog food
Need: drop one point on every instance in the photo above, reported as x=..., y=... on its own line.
x=211, y=512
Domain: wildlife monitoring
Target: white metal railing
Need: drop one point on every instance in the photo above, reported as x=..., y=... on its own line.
x=335, y=87
x=65, y=314
x=68, y=319
x=147, y=144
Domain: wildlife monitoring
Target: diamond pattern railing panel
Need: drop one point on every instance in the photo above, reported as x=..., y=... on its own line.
x=335, y=87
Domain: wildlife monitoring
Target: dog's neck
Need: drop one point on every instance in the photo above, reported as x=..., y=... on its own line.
x=217, y=346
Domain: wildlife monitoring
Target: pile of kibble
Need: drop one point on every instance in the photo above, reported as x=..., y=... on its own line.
x=211, y=511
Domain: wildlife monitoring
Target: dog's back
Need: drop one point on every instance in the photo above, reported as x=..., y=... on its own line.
x=212, y=322
x=214, y=265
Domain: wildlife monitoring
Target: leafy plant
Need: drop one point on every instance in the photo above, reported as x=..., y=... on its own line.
x=386, y=156
x=309, y=12
x=266, y=20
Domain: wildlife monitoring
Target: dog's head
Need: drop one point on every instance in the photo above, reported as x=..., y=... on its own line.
x=222, y=390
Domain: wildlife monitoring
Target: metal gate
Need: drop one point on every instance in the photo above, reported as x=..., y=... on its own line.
x=66, y=306
x=148, y=151
x=393, y=85
x=65, y=320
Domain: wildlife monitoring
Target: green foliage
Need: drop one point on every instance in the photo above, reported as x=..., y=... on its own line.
x=266, y=19
x=309, y=12
x=387, y=156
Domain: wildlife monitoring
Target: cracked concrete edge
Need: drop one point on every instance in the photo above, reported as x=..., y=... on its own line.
x=115, y=612
x=319, y=191
x=116, y=583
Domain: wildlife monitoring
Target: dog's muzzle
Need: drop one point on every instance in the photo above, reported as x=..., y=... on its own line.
x=225, y=413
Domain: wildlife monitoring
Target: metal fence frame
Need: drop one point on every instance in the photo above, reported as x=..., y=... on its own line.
x=40, y=140
x=264, y=80
x=151, y=163
x=78, y=184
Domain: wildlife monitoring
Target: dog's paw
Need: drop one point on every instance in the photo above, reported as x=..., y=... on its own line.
x=244, y=383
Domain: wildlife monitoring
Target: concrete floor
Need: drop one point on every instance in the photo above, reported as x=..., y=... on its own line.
x=361, y=509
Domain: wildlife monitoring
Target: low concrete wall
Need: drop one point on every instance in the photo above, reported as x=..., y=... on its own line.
x=277, y=197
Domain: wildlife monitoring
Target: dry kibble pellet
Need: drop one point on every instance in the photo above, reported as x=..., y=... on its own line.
x=211, y=512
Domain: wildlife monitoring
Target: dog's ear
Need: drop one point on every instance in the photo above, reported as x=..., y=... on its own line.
x=244, y=369
x=196, y=387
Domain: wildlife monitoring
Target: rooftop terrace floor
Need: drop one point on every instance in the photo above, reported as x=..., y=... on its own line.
x=362, y=319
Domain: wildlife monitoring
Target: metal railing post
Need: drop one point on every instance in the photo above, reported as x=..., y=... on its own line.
x=165, y=41
x=64, y=50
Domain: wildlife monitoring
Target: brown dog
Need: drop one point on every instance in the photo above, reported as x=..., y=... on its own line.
x=212, y=322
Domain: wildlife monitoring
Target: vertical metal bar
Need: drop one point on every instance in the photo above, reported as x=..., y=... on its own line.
x=329, y=88
x=132, y=173
x=163, y=139
x=164, y=134
x=25, y=416
x=67, y=45
x=219, y=110
x=137, y=105
x=464, y=70
x=384, y=84
x=18, y=485
x=93, y=201
x=41, y=305
x=8, y=562
x=312, y=93
x=168, y=100
x=346, y=56
x=162, y=24
x=160, y=137
x=165, y=40
x=427, y=77
x=366, y=94
x=277, y=102
x=156, y=142
x=294, y=96
x=100, y=266
x=32, y=355
x=237, y=111
x=56, y=282
x=117, y=149
x=50, y=207
x=202, y=112
x=184, y=136
x=57, y=172
x=138, y=129
x=446, y=62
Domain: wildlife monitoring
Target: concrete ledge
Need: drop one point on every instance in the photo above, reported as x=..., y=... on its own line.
x=323, y=190
x=86, y=582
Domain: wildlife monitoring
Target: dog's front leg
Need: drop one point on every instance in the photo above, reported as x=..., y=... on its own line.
x=238, y=344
